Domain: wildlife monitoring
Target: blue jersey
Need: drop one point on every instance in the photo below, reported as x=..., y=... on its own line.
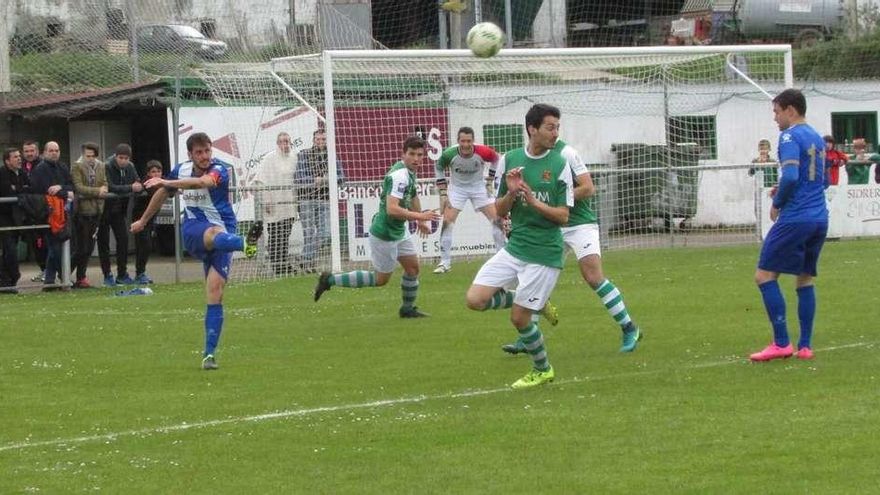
x=803, y=199
x=208, y=205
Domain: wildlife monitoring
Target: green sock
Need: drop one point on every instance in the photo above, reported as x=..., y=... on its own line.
x=532, y=337
x=409, y=286
x=357, y=278
x=613, y=301
x=502, y=299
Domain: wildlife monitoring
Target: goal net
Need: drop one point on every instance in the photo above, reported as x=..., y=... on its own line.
x=668, y=133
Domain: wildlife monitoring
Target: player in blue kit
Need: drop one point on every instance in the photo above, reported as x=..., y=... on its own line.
x=801, y=223
x=208, y=227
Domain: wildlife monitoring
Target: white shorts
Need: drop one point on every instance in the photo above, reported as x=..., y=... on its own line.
x=477, y=194
x=384, y=254
x=535, y=282
x=583, y=239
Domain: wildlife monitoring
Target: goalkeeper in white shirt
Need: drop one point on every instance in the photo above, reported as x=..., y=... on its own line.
x=468, y=181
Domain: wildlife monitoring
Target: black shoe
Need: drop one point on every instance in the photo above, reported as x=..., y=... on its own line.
x=412, y=312
x=323, y=285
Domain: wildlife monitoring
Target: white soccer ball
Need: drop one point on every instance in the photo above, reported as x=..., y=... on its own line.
x=485, y=39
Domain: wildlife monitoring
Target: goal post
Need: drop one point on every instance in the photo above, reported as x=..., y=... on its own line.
x=668, y=133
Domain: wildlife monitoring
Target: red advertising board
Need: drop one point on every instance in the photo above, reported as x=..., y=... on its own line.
x=368, y=140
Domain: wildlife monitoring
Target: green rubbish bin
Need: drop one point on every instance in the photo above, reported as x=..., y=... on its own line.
x=652, y=189
x=22, y=250
x=523, y=15
x=598, y=173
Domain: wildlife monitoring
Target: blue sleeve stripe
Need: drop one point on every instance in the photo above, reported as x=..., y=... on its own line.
x=791, y=162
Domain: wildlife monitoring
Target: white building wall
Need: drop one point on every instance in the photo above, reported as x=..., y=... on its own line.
x=725, y=197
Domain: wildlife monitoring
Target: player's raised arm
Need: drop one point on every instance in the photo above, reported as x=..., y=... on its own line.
x=152, y=208
x=508, y=192
x=206, y=181
x=583, y=187
x=440, y=173
x=397, y=211
x=491, y=157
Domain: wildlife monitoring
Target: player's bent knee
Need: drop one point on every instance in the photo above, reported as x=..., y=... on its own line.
x=520, y=321
x=382, y=278
x=591, y=270
x=475, y=299
x=594, y=278
x=763, y=276
x=520, y=316
x=804, y=280
x=475, y=304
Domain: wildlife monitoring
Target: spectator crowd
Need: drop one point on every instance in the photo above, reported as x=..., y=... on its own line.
x=82, y=203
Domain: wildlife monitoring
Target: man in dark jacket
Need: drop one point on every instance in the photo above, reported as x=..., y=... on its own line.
x=36, y=239
x=143, y=240
x=13, y=181
x=52, y=177
x=123, y=180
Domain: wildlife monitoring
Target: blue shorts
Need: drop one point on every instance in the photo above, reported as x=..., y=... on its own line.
x=194, y=243
x=793, y=248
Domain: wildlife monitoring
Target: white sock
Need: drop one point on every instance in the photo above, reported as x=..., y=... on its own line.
x=446, y=245
x=498, y=235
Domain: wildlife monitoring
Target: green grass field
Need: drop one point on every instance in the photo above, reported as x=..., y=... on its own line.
x=105, y=393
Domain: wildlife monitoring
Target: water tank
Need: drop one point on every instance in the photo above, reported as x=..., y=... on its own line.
x=788, y=19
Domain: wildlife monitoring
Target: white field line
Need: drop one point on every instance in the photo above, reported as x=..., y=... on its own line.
x=363, y=405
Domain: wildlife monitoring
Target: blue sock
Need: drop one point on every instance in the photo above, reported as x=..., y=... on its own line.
x=806, y=314
x=228, y=242
x=775, y=304
x=213, y=327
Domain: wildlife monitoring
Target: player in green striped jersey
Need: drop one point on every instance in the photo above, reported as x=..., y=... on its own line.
x=536, y=189
x=390, y=241
x=581, y=234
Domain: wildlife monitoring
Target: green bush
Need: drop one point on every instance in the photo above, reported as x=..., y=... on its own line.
x=840, y=59
x=69, y=71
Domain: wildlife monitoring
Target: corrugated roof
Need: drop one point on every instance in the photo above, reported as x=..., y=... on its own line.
x=696, y=5
x=73, y=104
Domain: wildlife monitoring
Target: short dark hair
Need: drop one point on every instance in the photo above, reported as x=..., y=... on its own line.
x=7, y=153
x=828, y=138
x=91, y=146
x=413, y=143
x=319, y=131
x=465, y=130
x=154, y=164
x=535, y=115
x=199, y=138
x=30, y=142
x=792, y=98
x=123, y=149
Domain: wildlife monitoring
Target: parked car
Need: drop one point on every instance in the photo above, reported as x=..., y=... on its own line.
x=179, y=38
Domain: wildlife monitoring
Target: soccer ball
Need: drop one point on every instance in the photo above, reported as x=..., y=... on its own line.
x=485, y=39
